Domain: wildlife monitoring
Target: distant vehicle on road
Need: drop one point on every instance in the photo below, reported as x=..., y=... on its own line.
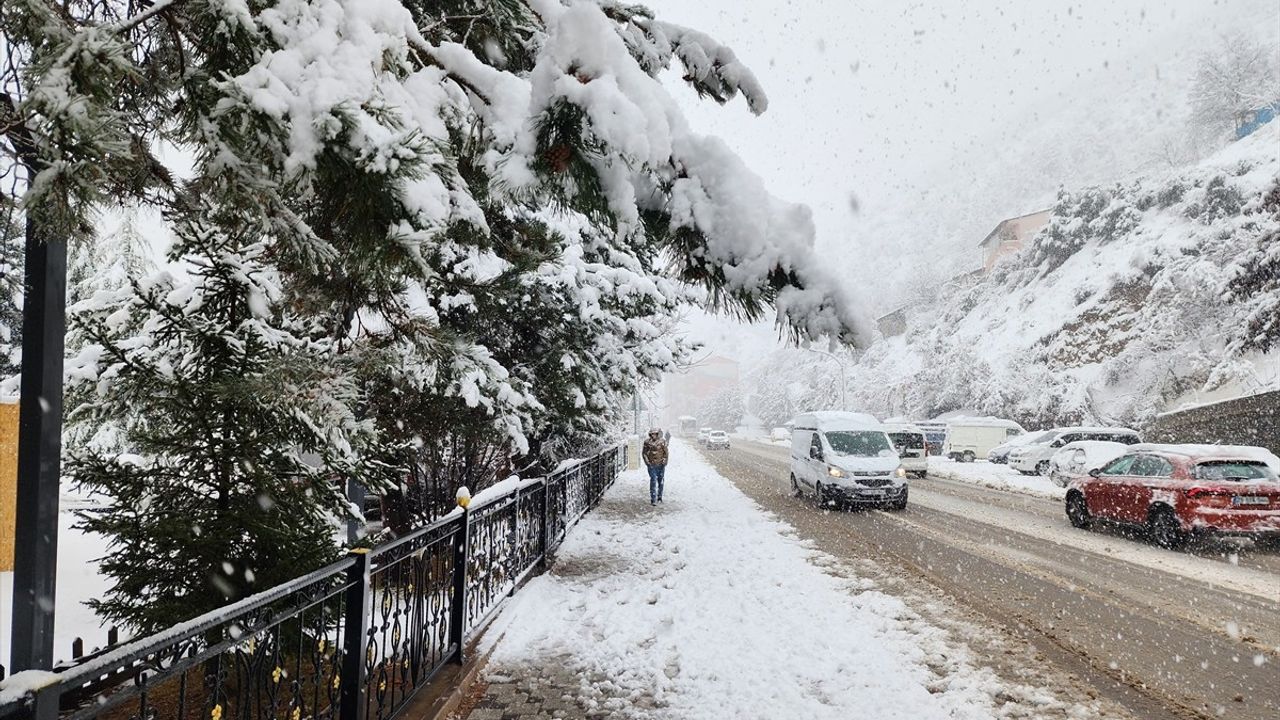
x=780, y=433
x=971, y=438
x=846, y=459
x=702, y=435
x=1000, y=453
x=1075, y=460
x=909, y=441
x=688, y=425
x=1033, y=457
x=1177, y=492
x=935, y=434
x=718, y=440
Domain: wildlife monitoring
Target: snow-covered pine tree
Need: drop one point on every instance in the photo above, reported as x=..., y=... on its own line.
x=11, y=284
x=491, y=209
x=237, y=423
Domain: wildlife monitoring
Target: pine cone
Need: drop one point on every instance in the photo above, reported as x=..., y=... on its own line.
x=558, y=156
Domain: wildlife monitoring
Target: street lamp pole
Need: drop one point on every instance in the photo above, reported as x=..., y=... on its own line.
x=39, y=449
x=844, y=396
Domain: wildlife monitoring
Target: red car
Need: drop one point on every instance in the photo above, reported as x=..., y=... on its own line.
x=1177, y=491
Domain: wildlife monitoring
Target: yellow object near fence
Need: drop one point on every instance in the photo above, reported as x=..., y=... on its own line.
x=8, y=482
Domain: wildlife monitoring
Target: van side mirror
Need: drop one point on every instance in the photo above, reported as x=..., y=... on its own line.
x=1095, y=473
x=815, y=452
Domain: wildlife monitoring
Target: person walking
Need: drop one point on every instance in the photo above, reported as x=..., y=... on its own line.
x=655, y=459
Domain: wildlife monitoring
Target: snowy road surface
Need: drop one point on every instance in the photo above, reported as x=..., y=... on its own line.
x=1166, y=634
x=707, y=607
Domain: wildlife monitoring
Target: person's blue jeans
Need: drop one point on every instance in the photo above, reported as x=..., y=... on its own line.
x=656, y=473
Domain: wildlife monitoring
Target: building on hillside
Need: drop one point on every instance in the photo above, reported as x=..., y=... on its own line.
x=1010, y=236
x=686, y=391
x=893, y=324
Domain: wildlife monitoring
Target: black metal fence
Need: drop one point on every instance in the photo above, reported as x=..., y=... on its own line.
x=352, y=641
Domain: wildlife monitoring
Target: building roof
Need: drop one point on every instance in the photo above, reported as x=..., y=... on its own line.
x=1002, y=223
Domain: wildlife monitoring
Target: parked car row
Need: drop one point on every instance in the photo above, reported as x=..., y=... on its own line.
x=1033, y=456
x=1178, y=492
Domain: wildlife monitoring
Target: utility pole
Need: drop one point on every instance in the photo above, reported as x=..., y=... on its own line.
x=635, y=410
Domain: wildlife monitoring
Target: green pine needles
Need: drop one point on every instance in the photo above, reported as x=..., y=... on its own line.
x=237, y=427
x=413, y=243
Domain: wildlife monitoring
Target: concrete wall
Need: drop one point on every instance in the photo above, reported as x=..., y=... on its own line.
x=1253, y=420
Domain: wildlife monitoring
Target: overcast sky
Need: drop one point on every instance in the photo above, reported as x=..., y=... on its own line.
x=885, y=102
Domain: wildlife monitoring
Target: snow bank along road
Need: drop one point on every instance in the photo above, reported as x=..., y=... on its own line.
x=1165, y=634
x=707, y=607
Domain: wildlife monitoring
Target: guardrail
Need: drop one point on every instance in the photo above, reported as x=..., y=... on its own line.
x=351, y=641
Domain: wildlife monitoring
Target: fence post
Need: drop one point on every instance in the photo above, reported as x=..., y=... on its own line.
x=45, y=701
x=458, y=610
x=355, y=638
x=597, y=478
x=546, y=532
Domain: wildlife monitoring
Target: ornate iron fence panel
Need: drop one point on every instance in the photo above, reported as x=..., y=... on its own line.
x=491, y=556
x=352, y=641
x=410, y=631
x=274, y=655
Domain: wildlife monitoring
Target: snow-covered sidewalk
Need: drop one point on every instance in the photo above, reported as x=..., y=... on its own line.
x=706, y=607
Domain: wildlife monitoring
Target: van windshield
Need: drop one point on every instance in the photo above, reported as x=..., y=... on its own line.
x=859, y=443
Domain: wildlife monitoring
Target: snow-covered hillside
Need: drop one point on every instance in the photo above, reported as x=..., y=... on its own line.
x=1125, y=116
x=1118, y=308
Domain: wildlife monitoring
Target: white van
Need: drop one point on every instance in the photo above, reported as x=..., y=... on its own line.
x=971, y=438
x=912, y=447
x=841, y=457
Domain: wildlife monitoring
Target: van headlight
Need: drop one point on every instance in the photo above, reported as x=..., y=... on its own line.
x=901, y=472
x=835, y=472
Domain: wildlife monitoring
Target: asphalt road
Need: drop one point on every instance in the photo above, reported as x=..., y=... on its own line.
x=1162, y=634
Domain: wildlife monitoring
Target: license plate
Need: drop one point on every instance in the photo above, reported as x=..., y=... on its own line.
x=1250, y=500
